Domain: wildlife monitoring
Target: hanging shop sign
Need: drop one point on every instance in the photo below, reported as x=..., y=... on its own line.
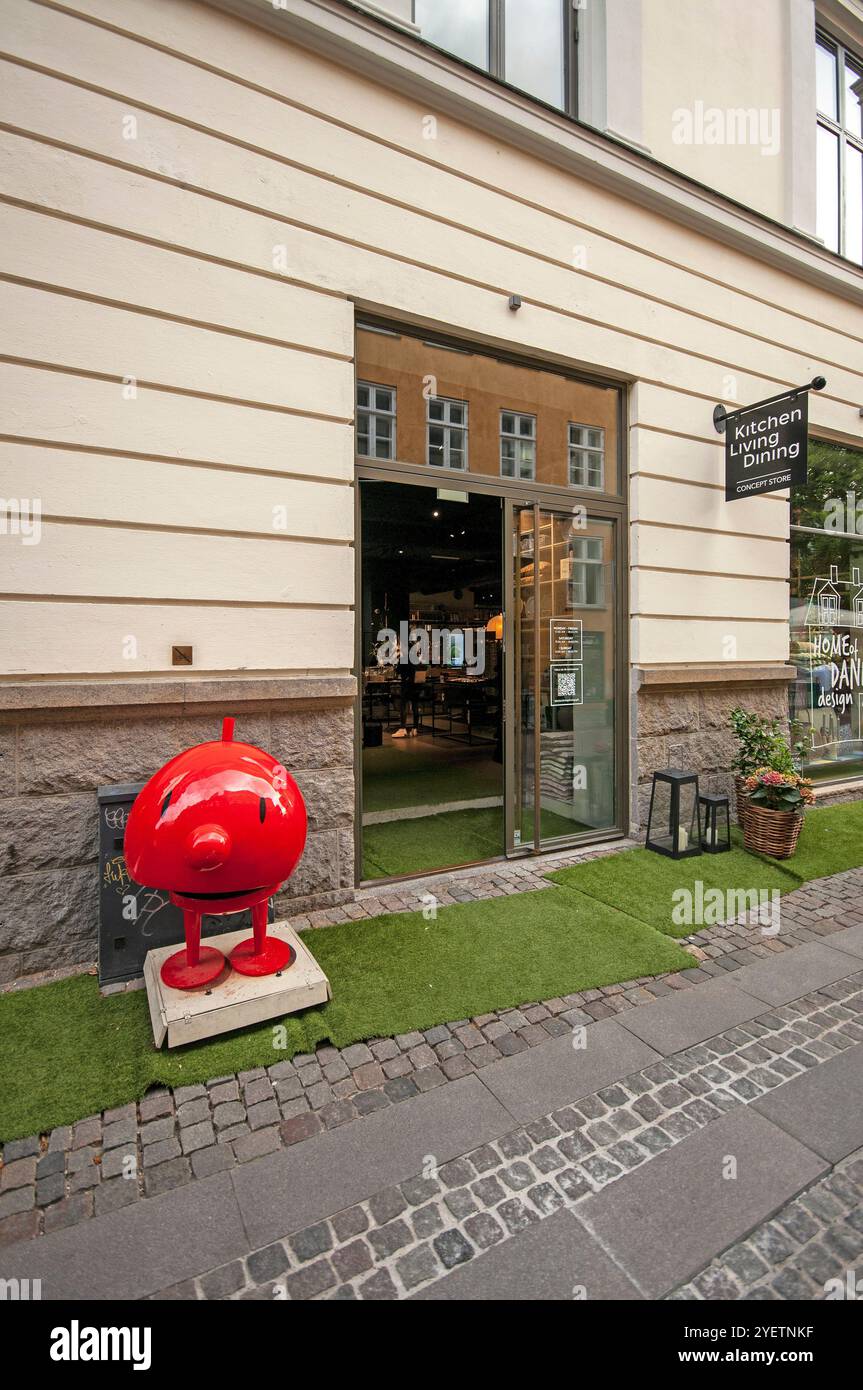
x=766, y=443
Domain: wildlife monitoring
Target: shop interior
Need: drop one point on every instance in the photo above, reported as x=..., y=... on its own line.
x=432, y=678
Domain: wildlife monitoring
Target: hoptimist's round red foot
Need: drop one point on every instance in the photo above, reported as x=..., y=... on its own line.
x=276, y=955
x=178, y=974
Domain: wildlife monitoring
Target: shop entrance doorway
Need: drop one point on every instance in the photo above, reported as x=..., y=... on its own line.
x=488, y=641
x=431, y=673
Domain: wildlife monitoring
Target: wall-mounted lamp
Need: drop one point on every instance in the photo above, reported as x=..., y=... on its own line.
x=515, y=302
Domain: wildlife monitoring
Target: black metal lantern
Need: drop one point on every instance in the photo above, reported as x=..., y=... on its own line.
x=672, y=826
x=714, y=818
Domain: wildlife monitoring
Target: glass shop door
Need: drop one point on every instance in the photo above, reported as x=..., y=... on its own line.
x=561, y=708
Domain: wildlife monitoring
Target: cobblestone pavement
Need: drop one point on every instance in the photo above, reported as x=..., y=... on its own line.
x=806, y=1251
x=406, y=1237
x=109, y=1161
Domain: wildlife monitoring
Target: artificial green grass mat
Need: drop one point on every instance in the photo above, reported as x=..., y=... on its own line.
x=643, y=883
x=68, y=1053
x=445, y=839
x=831, y=841
x=412, y=772
x=432, y=842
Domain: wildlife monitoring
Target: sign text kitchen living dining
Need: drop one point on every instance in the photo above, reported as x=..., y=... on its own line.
x=766, y=446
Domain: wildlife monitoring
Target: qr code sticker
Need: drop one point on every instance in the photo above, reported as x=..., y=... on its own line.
x=567, y=685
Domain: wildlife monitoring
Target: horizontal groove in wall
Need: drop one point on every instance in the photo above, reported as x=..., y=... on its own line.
x=122, y=600
x=129, y=307
x=119, y=524
x=364, y=190
x=706, y=618
x=97, y=450
x=143, y=385
x=407, y=153
x=696, y=482
x=499, y=291
x=679, y=527
x=712, y=574
x=186, y=674
x=128, y=234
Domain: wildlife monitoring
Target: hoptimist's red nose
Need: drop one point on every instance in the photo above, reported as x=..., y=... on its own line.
x=208, y=847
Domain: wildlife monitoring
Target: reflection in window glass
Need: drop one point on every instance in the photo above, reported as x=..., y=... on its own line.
x=828, y=188
x=526, y=423
x=586, y=456
x=447, y=433
x=459, y=26
x=827, y=612
x=533, y=42
x=517, y=445
x=854, y=204
x=825, y=80
x=586, y=580
x=376, y=421
x=853, y=107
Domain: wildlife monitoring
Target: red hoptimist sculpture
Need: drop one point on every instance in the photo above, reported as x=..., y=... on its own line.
x=220, y=827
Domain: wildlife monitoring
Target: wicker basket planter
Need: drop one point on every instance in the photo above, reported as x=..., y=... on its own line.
x=742, y=801
x=770, y=832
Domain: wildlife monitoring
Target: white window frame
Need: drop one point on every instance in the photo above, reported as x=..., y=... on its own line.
x=374, y=413
x=574, y=448
x=517, y=438
x=449, y=428
x=845, y=138
x=571, y=17
x=581, y=566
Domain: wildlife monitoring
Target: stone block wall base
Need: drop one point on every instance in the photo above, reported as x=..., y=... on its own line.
x=59, y=743
x=684, y=722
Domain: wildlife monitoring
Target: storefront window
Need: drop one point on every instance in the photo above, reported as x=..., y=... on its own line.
x=827, y=612
x=464, y=411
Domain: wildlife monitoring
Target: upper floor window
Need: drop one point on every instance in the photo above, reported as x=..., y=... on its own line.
x=376, y=421
x=447, y=433
x=839, y=96
x=517, y=445
x=586, y=456
x=528, y=43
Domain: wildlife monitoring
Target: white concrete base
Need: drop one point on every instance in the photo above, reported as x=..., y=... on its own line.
x=233, y=1000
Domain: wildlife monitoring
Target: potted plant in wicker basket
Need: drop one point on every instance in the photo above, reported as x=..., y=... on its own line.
x=760, y=744
x=774, y=813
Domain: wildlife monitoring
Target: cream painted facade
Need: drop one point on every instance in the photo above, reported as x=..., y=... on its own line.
x=197, y=200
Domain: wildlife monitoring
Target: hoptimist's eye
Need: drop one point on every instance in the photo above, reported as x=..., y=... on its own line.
x=165, y=804
x=262, y=808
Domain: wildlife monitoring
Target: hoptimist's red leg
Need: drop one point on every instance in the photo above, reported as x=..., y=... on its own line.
x=197, y=965
x=192, y=930
x=259, y=926
x=261, y=954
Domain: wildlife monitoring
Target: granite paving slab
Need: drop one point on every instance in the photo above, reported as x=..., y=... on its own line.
x=543, y=1078
x=291, y=1188
x=681, y=1020
x=556, y=1259
x=823, y=1108
x=135, y=1251
x=667, y=1220
x=781, y=978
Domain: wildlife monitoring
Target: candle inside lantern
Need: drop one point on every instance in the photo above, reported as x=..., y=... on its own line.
x=682, y=839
